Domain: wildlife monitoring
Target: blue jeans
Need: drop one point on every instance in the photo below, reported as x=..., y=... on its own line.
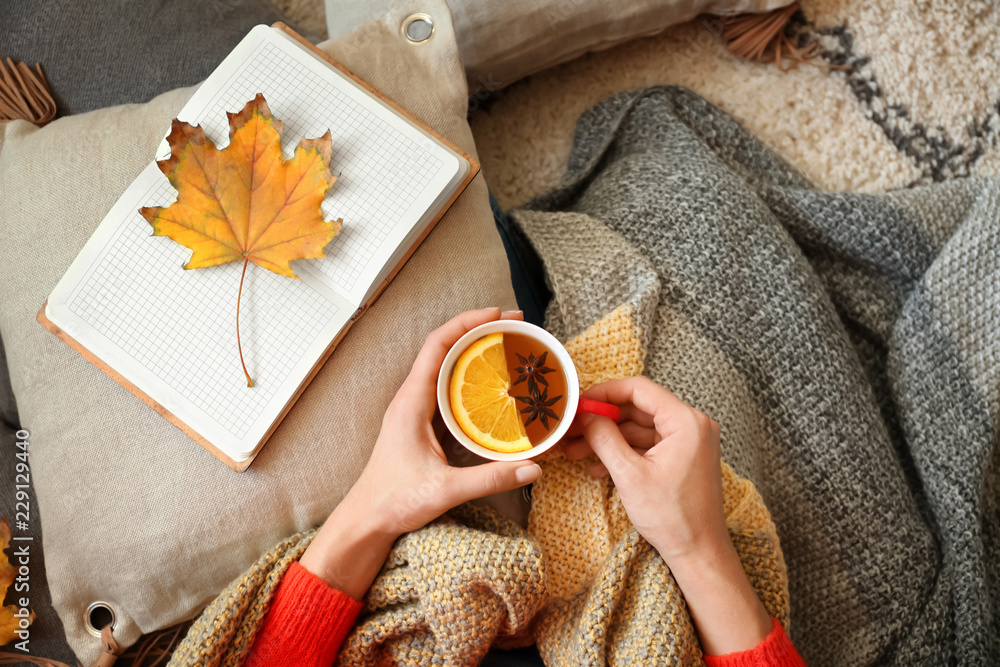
x=527, y=273
x=519, y=657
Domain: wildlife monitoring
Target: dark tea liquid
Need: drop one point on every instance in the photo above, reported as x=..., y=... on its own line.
x=544, y=382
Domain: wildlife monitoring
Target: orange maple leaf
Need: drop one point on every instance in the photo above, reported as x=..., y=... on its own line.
x=245, y=202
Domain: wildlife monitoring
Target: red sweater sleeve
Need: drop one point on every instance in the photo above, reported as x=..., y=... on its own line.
x=308, y=621
x=775, y=651
x=306, y=624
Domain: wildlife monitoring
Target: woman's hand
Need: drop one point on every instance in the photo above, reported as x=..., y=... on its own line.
x=407, y=481
x=664, y=457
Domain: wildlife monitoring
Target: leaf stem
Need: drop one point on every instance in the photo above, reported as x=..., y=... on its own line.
x=239, y=297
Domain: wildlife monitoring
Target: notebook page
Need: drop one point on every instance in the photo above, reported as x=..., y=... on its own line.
x=390, y=172
x=412, y=237
x=172, y=332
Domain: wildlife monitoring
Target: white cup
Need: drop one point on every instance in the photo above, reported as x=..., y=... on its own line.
x=556, y=348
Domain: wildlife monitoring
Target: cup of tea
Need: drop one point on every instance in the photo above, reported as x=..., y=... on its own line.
x=508, y=391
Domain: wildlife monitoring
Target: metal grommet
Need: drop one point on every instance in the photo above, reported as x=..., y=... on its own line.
x=417, y=28
x=98, y=615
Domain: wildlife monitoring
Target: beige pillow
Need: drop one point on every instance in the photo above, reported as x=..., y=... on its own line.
x=501, y=42
x=135, y=513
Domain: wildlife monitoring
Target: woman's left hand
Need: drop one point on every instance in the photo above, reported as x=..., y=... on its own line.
x=407, y=482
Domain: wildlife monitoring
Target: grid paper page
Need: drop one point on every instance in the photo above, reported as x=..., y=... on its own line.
x=172, y=333
x=175, y=330
x=389, y=173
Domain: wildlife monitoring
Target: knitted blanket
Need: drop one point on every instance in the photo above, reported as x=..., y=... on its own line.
x=847, y=344
x=474, y=579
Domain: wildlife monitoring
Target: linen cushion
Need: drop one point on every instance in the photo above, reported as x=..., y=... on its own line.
x=503, y=42
x=135, y=513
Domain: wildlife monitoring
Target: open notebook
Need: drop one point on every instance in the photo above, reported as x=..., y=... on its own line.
x=169, y=335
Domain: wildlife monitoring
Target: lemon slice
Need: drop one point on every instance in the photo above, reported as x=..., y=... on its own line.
x=479, y=398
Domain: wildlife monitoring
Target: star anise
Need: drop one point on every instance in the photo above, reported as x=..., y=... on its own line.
x=539, y=407
x=533, y=369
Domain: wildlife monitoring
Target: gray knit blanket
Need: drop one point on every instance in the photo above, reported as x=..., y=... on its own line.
x=847, y=344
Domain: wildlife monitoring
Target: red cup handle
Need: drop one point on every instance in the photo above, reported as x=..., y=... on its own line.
x=599, y=408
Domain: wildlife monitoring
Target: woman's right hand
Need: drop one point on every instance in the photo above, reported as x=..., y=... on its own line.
x=664, y=457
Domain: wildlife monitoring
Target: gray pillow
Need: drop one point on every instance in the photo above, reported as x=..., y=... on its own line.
x=501, y=42
x=101, y=54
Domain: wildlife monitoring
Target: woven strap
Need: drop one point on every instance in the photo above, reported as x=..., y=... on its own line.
x=25, y=94
x=111, y=649
x=760, y=37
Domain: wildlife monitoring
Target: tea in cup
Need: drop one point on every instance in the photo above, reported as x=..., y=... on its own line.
x=508, y=390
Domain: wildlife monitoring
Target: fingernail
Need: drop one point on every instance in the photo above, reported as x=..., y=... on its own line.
x=509, y=314
x=527, y=474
